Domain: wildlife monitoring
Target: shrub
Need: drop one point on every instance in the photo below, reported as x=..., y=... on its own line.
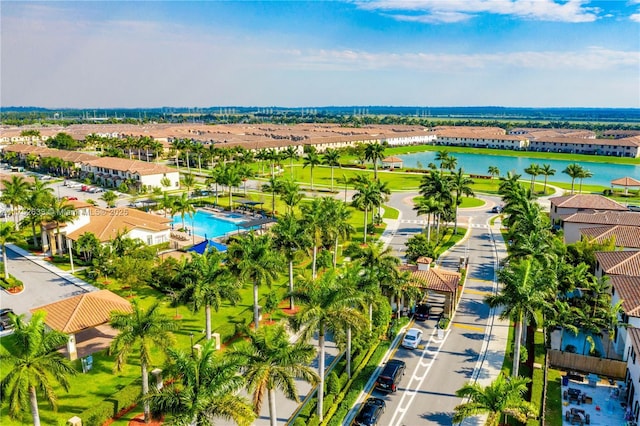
x=300, y=422
x=107, y=409
x=314, y=421
x=333, y=383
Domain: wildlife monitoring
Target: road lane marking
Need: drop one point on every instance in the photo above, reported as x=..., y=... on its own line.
x=481, y=293
x=469, y=327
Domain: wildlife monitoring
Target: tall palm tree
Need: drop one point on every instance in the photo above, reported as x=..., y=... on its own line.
x=188, y=181
x=59, y=212
x=290, y=193
x=182, y=206
x=584, y=174
x=502, y=397
x=8, y=234
x=14, y=194
x=251, y=259
x=291, y=153
x=274, y=186
x=460, y=185
x=166, y=203
x=374, y=152
x=314, y=222
x=438, y=186
x=573, y=170
x=140, y=330
x=207, y=282
x=32, y=366
x=36, y=201
x=493, y=171
x=521, y=296
x=270, y=362
x=327, y=306
x=232, y=178
x=291, y=238
x=337, y=223
x=442, y=156
x=311, y=159
x=368, y=195
x=450, y=163
x=533, y=170
x=429, y=206
x=202, y=386
x=331, y=158
x=546, y=170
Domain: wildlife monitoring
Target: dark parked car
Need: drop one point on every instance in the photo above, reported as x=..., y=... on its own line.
x=5, y=321
x=496, y=209
x=370, y=412
x=391, y=375
x=422, y=312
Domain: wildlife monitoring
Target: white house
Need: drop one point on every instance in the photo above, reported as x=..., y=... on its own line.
x=572, y=224
x=569, y=204
x=114, y=171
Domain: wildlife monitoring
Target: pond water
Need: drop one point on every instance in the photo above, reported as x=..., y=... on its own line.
x=478, y=164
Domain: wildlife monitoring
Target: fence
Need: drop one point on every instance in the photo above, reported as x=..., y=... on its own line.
x=590, y=364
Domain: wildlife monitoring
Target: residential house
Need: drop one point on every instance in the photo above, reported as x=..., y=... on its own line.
x=624, y=237
x=455, y=137
x=618, y=263
x=569, y=204
x=573, y=223
x=626, y=147
x=115, y=171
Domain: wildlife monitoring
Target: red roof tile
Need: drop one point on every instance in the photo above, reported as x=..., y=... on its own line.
x=586, y=201
x=628, y=288
x=624, y=236
x=620, y=262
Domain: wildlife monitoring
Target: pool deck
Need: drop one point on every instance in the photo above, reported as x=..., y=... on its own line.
x=604, y=410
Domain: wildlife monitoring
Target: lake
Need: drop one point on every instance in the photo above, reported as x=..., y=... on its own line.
x=478, y=164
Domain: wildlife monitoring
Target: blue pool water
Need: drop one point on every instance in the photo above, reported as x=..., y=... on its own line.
x=580, y=342
x=206, y=224
x=478, y=164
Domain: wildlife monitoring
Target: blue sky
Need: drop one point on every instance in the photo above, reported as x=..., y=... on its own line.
x=537, y=53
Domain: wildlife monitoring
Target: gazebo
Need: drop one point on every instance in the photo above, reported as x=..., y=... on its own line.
x=626, y=182
x=435, y=279
x=84, y=318
x=392, y=163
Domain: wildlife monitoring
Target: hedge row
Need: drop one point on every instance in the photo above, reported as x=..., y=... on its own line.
x=110, y=407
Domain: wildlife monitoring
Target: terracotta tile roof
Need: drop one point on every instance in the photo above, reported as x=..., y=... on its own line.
x=586, y=201
x=633, y=142
x=626, y=181
x=433, y=279
x=605, y=218
x=392, y=160
x=106, y=223
x=83, y=311
x=628, y=288
x=619, y=262
x=625, y=236
x=634, y=335
x=7, y=177
x=131, y=166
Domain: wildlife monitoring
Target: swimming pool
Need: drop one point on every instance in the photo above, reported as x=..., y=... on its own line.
x=206, y=224
x=580, y=343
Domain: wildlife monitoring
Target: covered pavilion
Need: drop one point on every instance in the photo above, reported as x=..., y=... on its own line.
x=626, y=182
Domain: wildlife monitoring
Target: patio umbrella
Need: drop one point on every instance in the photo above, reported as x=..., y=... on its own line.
x=626, y=182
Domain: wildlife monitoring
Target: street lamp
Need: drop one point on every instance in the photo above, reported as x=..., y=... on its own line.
x=70, y=254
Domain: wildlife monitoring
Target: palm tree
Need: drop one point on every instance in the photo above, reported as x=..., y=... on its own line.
x=521, y=296
x=546, y=170
x=502, y=397
x=290, y=193
x=33, y=366
x=207, y=282
x=438, y=186
x=109, y=197
x=429, y=206
x=166, y=203
x=182, y=206
x=8, y=234
x=450, y=163
x=291, y=153
x=326, y=306
x=331, y=158
x=366, y=197
x=493, y=171
x=533, y=170
x=270, y=362
x=311, y=159
x=314, y=222
x=274, y=186
x=584, y=174
x=290, y=238
x=460, y=185
x=251, y=259
x=442, y=156
x=38, y=197
x=337, y=223
x=14, y=194
x=203, y=386
x=140, y=329
x=188, y=181
x=59, y=212
x=230, y=176
x=573, y=170
x=374, y=152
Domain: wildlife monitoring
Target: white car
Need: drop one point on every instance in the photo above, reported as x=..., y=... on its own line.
x=412, y=338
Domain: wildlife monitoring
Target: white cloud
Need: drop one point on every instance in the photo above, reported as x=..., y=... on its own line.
x=635, y=17
x=460, y=10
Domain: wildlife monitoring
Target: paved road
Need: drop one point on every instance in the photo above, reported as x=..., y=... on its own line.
x=472, y=348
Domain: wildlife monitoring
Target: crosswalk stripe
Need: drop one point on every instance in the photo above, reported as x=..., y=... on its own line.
x=481, y=293
x=468, y=327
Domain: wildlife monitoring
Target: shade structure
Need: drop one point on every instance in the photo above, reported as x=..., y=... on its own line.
x=626, y=182
x=201, y=247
